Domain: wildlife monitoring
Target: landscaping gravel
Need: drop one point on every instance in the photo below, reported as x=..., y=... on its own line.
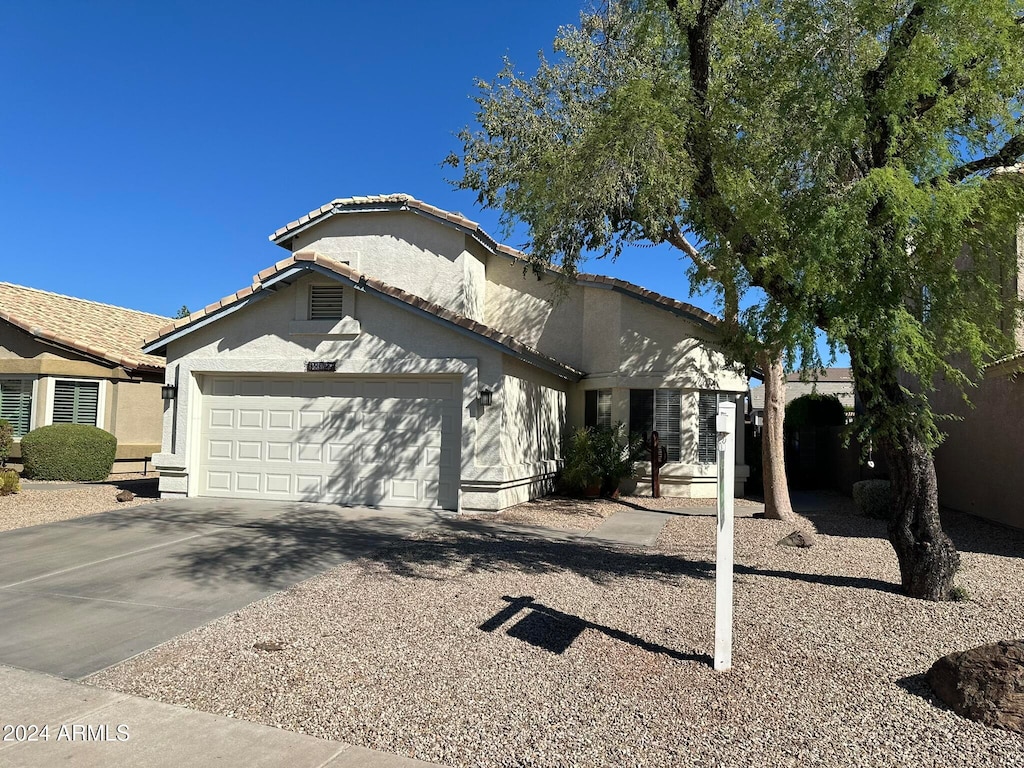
x=610, y=666
x=34, y=507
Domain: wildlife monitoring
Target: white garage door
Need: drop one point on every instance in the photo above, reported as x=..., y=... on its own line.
x=342, y=440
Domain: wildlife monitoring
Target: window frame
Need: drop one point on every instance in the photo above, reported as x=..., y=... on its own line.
x=101, y=397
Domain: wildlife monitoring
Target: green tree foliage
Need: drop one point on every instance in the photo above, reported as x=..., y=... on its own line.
x=843, y=162
x=183, y=312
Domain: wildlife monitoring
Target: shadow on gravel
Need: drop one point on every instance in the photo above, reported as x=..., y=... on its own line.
x=276, y=545
x=917, y=685
x=554, y=631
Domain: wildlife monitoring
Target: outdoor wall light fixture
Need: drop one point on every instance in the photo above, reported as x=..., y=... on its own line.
x=486, y=398
x=168, y=392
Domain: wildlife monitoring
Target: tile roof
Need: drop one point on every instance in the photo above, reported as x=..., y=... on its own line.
x=403, y=202
x=309, y=258
x=112, y=334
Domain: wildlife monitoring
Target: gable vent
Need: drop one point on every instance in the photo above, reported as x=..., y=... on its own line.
x=326, y=302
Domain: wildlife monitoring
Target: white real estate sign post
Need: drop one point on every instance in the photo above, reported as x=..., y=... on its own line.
x=726, y=426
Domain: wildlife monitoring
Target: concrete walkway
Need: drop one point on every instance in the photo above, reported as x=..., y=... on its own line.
x=89, y=727
x=635, y=527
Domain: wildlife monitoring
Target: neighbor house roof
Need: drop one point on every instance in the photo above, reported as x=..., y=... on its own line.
x=101, y=331
x=309, y=260
x=403, y=202
x=840, y=379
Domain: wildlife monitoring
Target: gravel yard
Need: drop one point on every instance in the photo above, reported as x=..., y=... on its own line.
x=35, y=507
x=410, y=652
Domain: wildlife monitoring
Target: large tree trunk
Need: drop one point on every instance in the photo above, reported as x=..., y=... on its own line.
x=927, y=558
x=773, y=456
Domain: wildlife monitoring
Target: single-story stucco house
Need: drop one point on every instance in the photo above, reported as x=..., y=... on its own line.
x=401, y=357
x=68, y=360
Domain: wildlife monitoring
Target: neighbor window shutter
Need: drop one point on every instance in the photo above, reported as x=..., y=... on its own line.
x=16, y=404
x=666, y=420
x=326, y=302
x=76, y=402
x=707, y=440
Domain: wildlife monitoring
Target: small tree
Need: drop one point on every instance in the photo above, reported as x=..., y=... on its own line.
x=183, y=312
x=841, y=163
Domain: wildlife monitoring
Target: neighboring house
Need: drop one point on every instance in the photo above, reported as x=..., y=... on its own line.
x=402, y=357
x=978, y=465
x=68, y=360
x=830, y=381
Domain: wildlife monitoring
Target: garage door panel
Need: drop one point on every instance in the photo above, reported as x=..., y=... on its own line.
x=278, y=485
x=249, y=450
x=355, y=441
x=250, y=418
x=279, y=419
x=221, y=418
x=309, y=453
x=279, y=451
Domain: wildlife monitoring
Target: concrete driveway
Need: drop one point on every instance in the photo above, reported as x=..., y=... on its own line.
x=81, y=595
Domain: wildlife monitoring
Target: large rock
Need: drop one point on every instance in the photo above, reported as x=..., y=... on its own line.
x=984, y=684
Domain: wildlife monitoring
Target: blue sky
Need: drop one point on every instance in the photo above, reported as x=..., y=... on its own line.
x=148, y=149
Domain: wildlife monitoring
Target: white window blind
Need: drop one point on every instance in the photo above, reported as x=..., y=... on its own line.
x=598, y=408
x=707, y=438
x=666, y=420
x=76, y=402
x=16, y=404
x=326, y=302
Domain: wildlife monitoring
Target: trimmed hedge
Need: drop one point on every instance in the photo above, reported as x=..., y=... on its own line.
x=873, y=498
x=73, y=452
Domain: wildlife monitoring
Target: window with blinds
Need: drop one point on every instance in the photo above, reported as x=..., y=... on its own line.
x=326, y=302
x=76, y=402
x=16, y=404
x=658, y=410
x=707, y=431
x=598, y=408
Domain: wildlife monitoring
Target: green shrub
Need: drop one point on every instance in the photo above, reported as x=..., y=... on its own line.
x=6, y=440
x=580, y=471
x=873, y=498
x=73, y=452
x=597, y=459
x=10, y=483
x=959, y=594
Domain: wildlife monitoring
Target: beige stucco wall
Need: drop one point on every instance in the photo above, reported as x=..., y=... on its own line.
x=532, y=404
x=426, y=258
x=979, y=464
x=261, y=338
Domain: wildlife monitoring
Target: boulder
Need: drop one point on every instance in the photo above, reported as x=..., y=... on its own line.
x=984, y=684
x=125, y=495
x=796, y=539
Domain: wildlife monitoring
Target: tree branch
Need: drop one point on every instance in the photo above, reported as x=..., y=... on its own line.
x=874, y=83
x=953, y=81
x=1010, y=153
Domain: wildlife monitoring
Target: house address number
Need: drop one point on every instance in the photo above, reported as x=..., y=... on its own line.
x=321, y=366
